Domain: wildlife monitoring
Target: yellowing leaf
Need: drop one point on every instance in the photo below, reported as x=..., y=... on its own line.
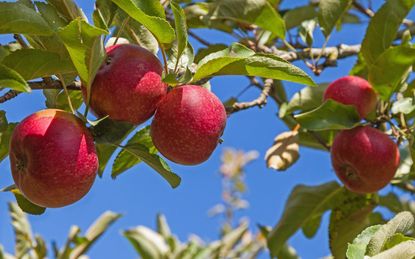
x=284, y=152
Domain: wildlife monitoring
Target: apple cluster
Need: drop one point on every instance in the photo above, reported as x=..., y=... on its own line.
x=364, y=158
x=52, y=153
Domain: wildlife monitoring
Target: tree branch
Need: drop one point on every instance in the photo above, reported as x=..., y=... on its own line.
x=54, y=84
x=47, y=83
x=9, y=95
x=199, y=39
x=258, y=102
x=340, y=51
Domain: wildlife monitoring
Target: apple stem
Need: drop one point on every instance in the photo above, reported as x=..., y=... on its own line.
x=163, y=53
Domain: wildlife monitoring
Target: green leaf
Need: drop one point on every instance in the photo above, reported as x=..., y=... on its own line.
x=258, y=12
x=287, y=252
x=51, y=15
x=360, y=68
x=294, y=17
x=180, y=65
x=158, y=26
x=203, y=52
x=304, y=202
x=110, y=131
x=126, y=160
x=99, y=20
x=390, y=69
x=331, y=115
x=134, y=31
x=401, y=223
x=22, y=231
x=155, y=162
x=24, y=204
x=104, y=152
x=396, y=239
x=215, y=61
x=391, y=202
x=94, y=232
x=67, y=9
x=57, y=99
x=311, y=227
x=84, y=44
x=357, y=249
x=401, y=251
x=383, y=28
x=55, y=20
x=35, y=63
x=4, y=51
x=147, y=243
x=306, y=32
x=6, y=132
x=330, y=13
x=13, y=80
x=350, y=217
x=181, y=29
x=239, y=60
x=307, y=99
x=18, y=18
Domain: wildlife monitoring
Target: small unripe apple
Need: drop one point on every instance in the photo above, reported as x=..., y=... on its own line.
x=353, y=90
x=364, y=158
x=53, y=158
x=128, y=85
x=188, y=124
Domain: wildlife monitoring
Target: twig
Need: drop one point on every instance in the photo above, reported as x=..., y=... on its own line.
x=199, y=39
x=258, y=102
x=54, y=84
x=9, y=95
x=341, y=51
x=406, y=187
x=370, y=13
x=47, y=83
x=20, y=40
x=366, y=11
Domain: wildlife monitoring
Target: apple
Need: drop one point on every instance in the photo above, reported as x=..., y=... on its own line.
x=353, y=90
x=53, y=158
x=188, y=124
x=364, y=158
x=128, y=85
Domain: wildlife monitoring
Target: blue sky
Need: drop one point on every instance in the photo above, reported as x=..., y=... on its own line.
x=140, y=193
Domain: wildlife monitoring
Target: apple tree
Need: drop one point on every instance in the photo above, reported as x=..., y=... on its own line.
x=132, y=61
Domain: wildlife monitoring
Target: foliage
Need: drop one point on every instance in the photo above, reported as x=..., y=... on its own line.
x=31, y=246
x=57, y=50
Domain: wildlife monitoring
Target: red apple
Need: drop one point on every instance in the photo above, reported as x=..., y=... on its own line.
x=188, y=124
x=53, y=158
x=128, y=85
x=365, y=159
x=353, y=90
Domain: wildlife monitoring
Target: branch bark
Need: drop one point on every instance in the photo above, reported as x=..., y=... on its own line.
x=258, y=102
x=9, y=95
x=54, y=84
x=40, y=85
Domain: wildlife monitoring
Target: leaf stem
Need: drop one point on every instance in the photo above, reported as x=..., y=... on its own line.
x=66, y=93
x=126, y=20
x=163, y=53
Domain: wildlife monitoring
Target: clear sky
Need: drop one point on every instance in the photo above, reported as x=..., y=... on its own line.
x=141, y=193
